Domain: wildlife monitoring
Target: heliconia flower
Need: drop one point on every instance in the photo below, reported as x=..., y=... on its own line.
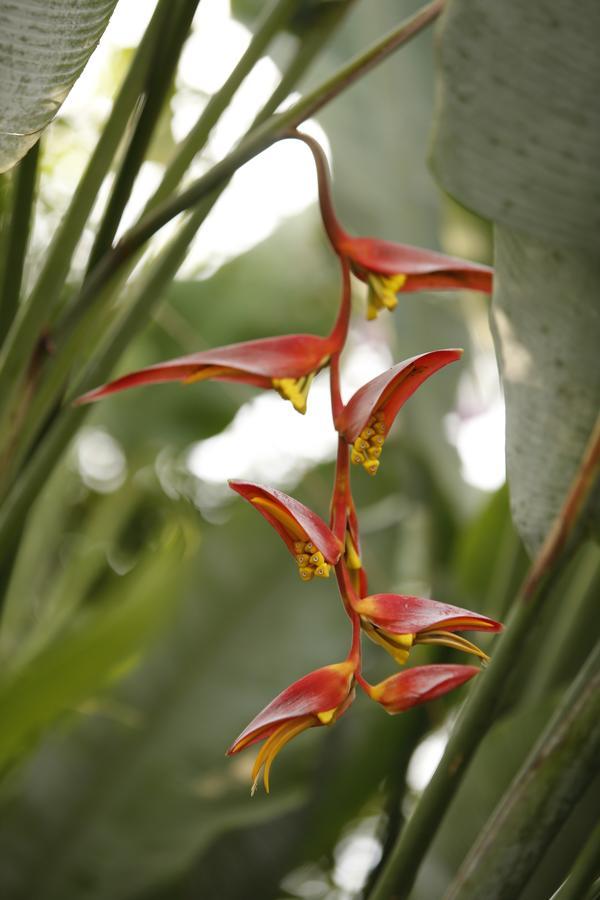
x=398, y=622
x=419, y=685
x=319, y=698
x=312, y=544
x=390, y=268
x=370, y=413
x=287, y=363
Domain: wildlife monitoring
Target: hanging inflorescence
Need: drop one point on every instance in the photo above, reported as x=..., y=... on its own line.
x=288, y=365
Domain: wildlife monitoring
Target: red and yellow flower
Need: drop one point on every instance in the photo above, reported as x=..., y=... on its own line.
x=370, y=413
x=310, y=541
x=287, y=364
x=319, y=698
x=398, y=622
x=388, y=268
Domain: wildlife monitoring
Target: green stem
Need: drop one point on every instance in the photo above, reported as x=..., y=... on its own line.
x=23, y=196
x=273, y=20
x=562, y=764
x=258, y=140
x=584, y=873
x=147, y=293
x=33, y=315
x=398, y=875
x=80, y=324
x=159, y=80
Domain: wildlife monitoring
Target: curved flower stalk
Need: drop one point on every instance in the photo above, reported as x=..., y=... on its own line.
x=287, y=364
x=370, y=413
x=398, y=622
x=310, y=541
x=319, y=698
x=419, y=685
x=389, y=268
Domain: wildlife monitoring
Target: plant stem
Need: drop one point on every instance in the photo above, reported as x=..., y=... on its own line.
x=553, y=778
x=33, y=315
x=23, y=196
x=158, y=82
x=147, y=292
x=398, y=875
x=258, y=140
x=584, y=872
x=76, y=329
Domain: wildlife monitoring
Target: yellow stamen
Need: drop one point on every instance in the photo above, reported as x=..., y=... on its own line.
x=311, y=561
x=366, y=449
x=455, y=641
x=295, y=390
x=382, y=293
x=397, y=645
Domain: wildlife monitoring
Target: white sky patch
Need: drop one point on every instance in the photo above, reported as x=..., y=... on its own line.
x=268, y=441
x=476, y=428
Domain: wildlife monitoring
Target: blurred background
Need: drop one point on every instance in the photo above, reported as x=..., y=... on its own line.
x=185, y=614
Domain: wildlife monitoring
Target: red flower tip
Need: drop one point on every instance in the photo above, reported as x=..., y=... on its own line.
x=370, y=413
x=319, y=698
x=307, y=537
x=288, y=364
x=419, y=685
x=398, y=622
x=390, y=268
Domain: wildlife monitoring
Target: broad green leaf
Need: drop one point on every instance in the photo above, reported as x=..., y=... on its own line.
x=546, y=324
x=518, y=125
x=44, y=46
x=516, y=140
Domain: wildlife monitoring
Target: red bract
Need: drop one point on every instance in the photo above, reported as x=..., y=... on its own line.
x=390, y=268
x=307, y=537
x=370, y=413
x=419, y=685
x=288, y=364
x=397, y=622
x=319, y=698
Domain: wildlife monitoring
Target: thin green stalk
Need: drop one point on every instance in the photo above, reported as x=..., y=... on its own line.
x=36, y=312
x=274, y=18
x=569, y=634
x=147, y=292
x=562, y=764
x=400, y=871
x=80, y=334
x=158, y=83
x=23, y=195
x=258, y=140
x=584, y=873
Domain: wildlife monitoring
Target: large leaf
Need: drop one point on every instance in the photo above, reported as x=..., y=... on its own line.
x=44, y=46
x=518, y=128
x=546, y=324
x=516, y=139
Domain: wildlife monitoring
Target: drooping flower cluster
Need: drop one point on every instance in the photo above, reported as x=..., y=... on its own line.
x=288, y=365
